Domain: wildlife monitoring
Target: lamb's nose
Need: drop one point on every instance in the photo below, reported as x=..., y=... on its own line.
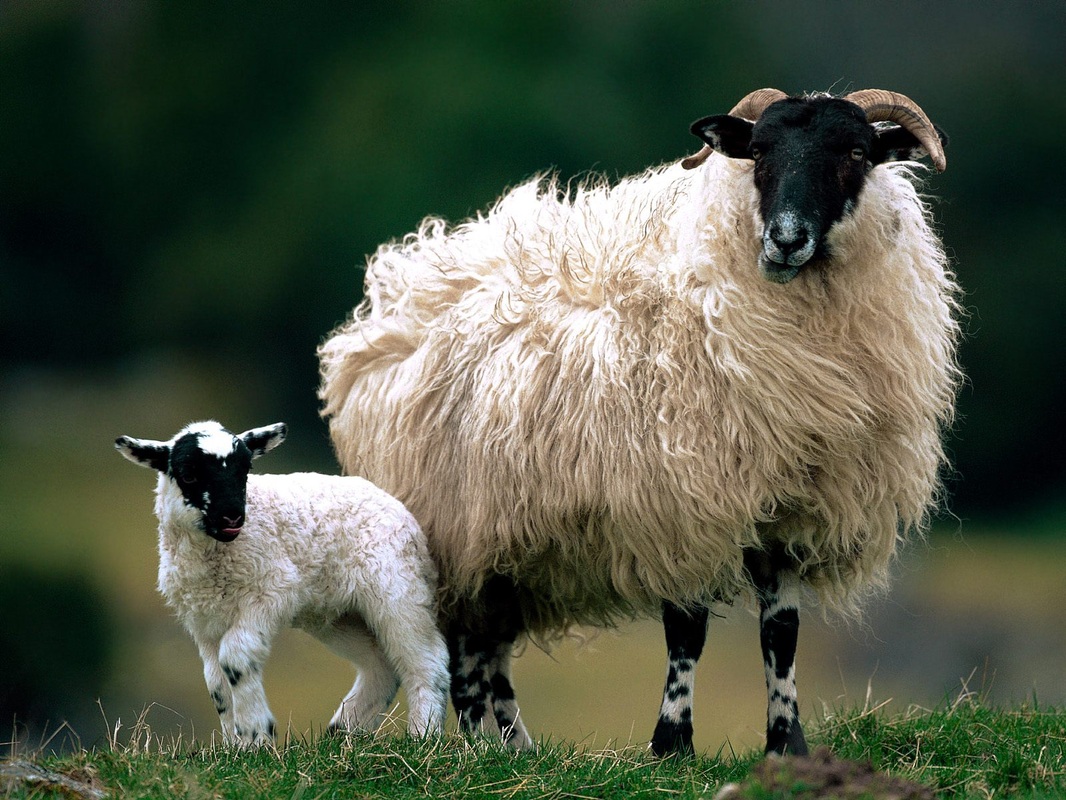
x=232, y=522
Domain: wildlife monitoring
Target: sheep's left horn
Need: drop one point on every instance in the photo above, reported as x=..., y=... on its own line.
x=884, y=106
x=750, y=108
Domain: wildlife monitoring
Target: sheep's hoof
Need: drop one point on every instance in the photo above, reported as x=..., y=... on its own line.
x=784, y=739
x=672, y=738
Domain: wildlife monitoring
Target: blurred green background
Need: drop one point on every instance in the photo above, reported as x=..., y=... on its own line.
x=187, y=194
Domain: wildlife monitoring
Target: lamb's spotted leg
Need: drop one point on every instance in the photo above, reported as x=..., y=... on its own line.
x=778, y=590
x=241, y=655
x=217, y=685
x=686, y=632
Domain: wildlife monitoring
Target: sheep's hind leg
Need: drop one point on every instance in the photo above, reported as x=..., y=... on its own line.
x=686, y=632
x=471, y=691
x=778, y=589
x=480, y=650
x=504, y=706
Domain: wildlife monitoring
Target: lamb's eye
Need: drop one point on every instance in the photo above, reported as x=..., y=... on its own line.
x=188, y=479
x=857, y=154
x=756, y=153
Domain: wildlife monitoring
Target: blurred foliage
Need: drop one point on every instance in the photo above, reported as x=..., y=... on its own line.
x=204, y=178
x=56, y=650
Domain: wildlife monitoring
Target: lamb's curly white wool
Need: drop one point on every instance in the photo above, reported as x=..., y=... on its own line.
x=241, y=557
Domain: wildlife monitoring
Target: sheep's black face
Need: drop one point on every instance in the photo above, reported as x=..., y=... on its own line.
x=811, y=162
x=812, y=156
x=211, y=470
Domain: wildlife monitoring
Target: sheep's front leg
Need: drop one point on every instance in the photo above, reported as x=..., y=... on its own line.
x=686, y=632
x=242, y=653
x=779, y=591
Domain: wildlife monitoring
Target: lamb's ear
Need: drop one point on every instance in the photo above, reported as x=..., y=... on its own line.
x=144, y=452
x=259, y=440
x=899, y=144
x=730, y=136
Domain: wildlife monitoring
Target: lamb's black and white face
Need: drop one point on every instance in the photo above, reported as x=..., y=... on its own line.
x=812, y=156
x=209, y=466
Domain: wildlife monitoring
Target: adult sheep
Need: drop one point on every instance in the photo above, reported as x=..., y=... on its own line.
x=726, y=376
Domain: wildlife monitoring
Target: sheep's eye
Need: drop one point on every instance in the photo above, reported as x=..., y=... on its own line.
x=756, y=153
x=188, y=479
x=857, y=154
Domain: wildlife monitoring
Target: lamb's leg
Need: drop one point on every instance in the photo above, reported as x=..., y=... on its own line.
x=504, y=706
x=241, y=654
x=217, y=685
x=778, y=590
x=686, y=632
x=415, y=648
x=375, y=684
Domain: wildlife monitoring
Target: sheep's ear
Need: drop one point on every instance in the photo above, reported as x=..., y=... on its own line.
x=144, y=452
x=730, y=136
x=899, y=144
x=260, y=440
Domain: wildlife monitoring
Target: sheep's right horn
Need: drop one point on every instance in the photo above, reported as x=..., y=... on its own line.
x=749, y=108
x=752, y=106
x=884, y=106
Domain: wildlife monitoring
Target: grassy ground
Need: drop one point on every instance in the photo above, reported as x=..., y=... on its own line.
x=962, y=750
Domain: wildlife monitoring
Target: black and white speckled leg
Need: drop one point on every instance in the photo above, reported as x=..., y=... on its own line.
x=470, y=688
x=480, y=643
x=242, y=652
x=686, y=632
x=217, y=686
x=779, y=593
x=504, y=704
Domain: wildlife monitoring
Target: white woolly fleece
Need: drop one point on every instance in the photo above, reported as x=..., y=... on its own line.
x=598, y=394
x=335, y=556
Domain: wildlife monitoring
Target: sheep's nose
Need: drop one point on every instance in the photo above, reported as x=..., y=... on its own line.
x=234, y=522
x=789, y=240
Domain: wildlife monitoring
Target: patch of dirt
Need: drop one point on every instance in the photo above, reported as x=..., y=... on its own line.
x=80, y=784
x=821, y=776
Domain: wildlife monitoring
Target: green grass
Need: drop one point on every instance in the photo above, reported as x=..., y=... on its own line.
x=963, y=750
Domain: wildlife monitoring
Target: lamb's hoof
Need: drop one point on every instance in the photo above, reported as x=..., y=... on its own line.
x=255, y=736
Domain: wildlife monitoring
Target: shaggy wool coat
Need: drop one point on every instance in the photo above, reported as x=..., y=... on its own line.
x=596, y=393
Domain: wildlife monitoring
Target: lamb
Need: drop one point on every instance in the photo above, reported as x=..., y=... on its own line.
x=242, y=556
x=725, y=377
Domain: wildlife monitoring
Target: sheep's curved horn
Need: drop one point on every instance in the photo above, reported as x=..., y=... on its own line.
x=884, y=106
x=752, y=106
x=749, y=108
